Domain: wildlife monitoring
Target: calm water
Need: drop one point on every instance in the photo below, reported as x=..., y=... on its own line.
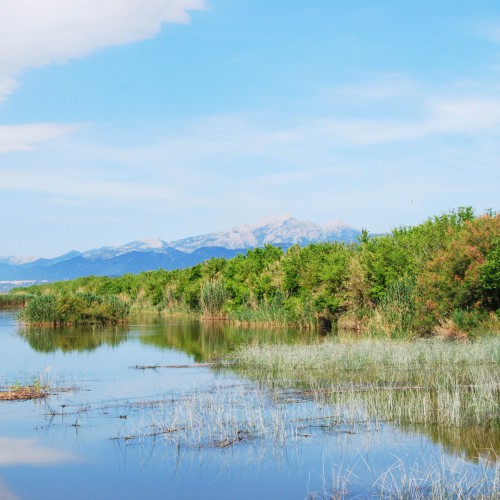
x=73, y=445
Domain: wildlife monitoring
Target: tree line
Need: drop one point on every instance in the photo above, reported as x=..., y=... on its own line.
x=441, y=277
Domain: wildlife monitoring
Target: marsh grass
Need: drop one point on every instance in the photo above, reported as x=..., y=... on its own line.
x=229, y=416
x=436, y=479
x=212, y=299
x=263, y=315
x=36, y=387
x=267, y=421
x=13, y=300
x=423, y=382
x=430, y=385
x=275, y=312
x=76, y=309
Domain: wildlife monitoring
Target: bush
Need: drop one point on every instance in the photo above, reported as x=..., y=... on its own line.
x=41, y=309
x=212, y=298
x=455, y=278
x=78, y=308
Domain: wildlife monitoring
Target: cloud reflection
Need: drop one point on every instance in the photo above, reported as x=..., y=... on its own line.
x=30, y=452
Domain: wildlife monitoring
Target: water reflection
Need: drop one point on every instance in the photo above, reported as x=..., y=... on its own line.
x=31, y=452
x=475, y=443
x=203, y=340
x=68, y=339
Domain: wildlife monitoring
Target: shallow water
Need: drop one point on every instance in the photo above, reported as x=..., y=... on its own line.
x=111, y=435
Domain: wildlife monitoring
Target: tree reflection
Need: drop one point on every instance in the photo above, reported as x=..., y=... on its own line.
x=72, y=338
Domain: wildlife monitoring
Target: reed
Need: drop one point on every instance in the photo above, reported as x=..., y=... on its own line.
x=212, y=299
x=78, y=308
x=422, y=382
x=267, y=419
x=14, y=300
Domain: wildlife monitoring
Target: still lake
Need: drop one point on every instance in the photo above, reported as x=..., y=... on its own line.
x=122, y=432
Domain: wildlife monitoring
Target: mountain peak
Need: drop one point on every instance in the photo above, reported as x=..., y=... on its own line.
x=149, y=243
x=272, y=220
x=17, y=260
x=335, y=224
x=282, y=229
x=146, y=245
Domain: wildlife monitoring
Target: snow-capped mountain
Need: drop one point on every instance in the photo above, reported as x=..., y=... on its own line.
x=277, y=230
x=16, y=260
x=156, y=245
x=144, y=255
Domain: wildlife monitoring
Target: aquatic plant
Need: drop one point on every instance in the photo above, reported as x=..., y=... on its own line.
x=77, y=308
x=13, y=300
x=212, y=298
x=421, y=382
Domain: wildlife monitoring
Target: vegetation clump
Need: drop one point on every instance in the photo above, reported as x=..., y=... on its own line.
x=14, y=300
x=75, y=309
x=424, y=382
x=37, y=389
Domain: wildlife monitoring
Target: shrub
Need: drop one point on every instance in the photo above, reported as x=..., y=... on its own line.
x=212, y=298
x=77, y=308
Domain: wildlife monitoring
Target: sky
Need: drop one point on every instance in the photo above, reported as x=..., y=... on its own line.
x=132, y=119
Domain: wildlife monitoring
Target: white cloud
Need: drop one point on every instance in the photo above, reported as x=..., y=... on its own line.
x=381, y=88
x=25, y=137
x=36, y=33
x=489, y=30
x=8, y=85
x=465, y=116
x=228, y=137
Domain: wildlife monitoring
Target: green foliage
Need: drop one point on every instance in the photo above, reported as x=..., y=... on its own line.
x=77, y=308
x=40, y=310
x=212, y=298
x=13, y=300
x=454, y=278
x=406, y=250
x=443, y=271
x=489, y=275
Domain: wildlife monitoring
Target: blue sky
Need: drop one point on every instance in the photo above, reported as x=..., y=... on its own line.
x=130, y=119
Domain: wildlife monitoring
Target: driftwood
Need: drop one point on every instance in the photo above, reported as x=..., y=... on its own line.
x=154, y=367
x=170, y=430
x=242, y=434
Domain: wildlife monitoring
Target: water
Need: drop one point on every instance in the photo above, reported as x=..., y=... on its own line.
x=122, y=432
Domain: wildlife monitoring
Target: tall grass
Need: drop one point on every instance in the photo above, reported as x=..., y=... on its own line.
x=212, y=299
x=275, y=312
x=78, y=308
x=267, y=421
x=395, y=313
x=423, y=382
x=13, y=300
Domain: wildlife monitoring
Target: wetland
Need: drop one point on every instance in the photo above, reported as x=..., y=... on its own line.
x=175, y=407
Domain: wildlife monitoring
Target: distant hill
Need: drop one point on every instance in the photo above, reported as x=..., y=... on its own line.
x=152, y=254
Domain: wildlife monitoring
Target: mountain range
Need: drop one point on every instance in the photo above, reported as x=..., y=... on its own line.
x=151, y=254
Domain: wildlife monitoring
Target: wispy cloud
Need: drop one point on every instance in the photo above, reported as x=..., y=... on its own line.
x=34, y=33
x=8, y=85
x=333, y=164
x=26, y=137
x=383, y=87
x=488, y=29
